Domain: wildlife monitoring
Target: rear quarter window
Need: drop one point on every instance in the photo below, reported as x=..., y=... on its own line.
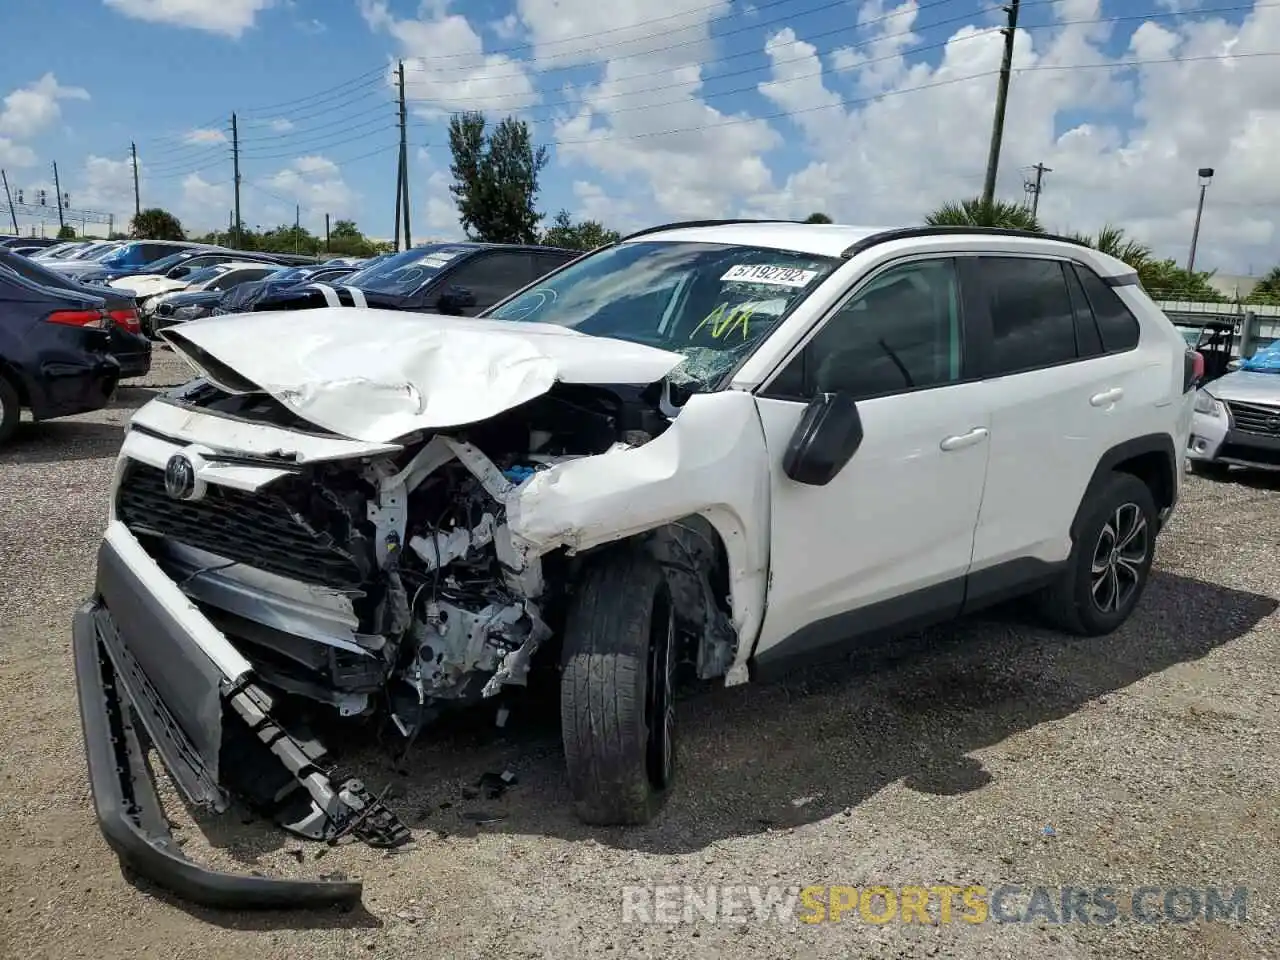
x=1116, y=325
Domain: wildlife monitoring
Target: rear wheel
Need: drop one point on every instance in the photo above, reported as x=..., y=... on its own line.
x=617, y=706
x=1110, y=561
x=10, y=409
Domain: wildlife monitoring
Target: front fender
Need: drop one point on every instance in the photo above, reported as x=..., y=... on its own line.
x=711, y=462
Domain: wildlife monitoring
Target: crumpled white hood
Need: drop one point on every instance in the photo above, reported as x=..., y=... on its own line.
x=147, y=284
x=376, y=375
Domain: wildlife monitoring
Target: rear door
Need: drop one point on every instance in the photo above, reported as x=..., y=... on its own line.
x=1064, y=389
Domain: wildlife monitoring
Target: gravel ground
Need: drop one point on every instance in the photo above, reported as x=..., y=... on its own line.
x=1152, y=754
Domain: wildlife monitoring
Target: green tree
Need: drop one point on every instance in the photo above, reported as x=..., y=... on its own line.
x=817, y=218
x=495, y=178
x=156, y=224
x=118, y=236
x=1268, y=289
x=66, y=232
x=975, y=213
x=346, y=239
x=586, y=235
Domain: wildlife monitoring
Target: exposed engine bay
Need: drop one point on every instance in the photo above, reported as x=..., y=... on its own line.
x=392, y=584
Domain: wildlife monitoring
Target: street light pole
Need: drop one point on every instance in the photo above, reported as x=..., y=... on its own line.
x=1205, y=174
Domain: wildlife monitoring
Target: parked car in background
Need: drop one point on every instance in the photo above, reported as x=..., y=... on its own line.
x=177, y=266
x=216, y=279
x=135, y=253
x=61, y=251
x=452, y=278
x=1237, y=418
x=86, y=260
x=127, y=343
x=54, y=358
x=241, y=299
x=38, y=242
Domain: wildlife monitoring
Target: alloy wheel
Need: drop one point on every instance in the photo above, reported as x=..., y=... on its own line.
x=1119, y=558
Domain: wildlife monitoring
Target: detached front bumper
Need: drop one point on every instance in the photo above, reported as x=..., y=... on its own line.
x=143, y=679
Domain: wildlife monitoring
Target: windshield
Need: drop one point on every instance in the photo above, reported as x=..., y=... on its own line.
x=403, y=273
x=204, y=275
x=58, y=251
x=92, y=251
x=163, y=264
x=711, y=302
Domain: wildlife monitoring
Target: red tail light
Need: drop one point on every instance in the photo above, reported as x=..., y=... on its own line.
x=1199, y=364
x=76, y=318
x=126, y=320
x=1192, y=370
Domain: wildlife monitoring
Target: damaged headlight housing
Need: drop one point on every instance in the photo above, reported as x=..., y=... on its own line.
x=188, y=312
x=1208, y=404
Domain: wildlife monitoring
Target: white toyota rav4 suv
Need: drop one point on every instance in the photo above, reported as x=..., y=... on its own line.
x=711, y=450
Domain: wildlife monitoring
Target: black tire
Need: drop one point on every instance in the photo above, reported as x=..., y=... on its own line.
x=10, y=409
x=617, y=690
x=1210, y=469
x=1079, y=602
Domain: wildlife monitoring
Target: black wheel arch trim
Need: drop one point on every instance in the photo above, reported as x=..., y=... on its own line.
x=1157, y=443
x=129, y=812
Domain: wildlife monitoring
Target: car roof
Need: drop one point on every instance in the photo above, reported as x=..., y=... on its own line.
x=846, y=241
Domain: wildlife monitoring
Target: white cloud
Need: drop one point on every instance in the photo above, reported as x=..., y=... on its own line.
x=891, y=159
x=228, y=17
x=644, y=119
x=439, y=212
x=204, y=205
x=315, y=183
x=462, y=78
x=204, y=137
x=15, y=154
x=281, y=125
x=31, y=109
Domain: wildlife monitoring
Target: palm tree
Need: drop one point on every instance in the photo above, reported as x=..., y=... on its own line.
x=975, y=213
x=817, y=218
x=1112, y=241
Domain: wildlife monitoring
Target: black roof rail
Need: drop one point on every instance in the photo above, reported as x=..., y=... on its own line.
x=683, y=224
x=907, y=233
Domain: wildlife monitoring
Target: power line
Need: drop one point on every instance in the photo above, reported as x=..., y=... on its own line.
x=312, y=143
x=805, y=40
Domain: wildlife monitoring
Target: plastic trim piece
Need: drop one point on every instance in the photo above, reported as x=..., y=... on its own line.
x=129, y=812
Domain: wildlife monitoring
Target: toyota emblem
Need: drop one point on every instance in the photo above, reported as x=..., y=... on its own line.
x=180, y=477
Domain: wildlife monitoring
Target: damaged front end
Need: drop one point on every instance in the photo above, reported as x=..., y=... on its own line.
x=258, y=569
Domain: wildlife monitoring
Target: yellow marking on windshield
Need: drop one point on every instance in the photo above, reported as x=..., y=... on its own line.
x=724, y=320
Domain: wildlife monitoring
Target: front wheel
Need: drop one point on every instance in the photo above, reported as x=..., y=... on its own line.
x=1110, y=561
x=617, y=706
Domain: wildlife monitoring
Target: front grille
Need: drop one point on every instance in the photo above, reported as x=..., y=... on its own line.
x=1264, y=456
x=1255, y=417
x=259, y=529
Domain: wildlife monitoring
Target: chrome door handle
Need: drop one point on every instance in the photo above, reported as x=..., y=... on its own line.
x=1106, y=397
x=976, y=435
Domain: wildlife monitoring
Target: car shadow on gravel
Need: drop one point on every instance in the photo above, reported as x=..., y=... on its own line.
x=773, y=756
x=63, y=441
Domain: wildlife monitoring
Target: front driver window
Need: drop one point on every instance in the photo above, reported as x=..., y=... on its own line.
x=900, y=332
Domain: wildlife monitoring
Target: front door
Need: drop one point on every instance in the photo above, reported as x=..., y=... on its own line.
x=889, y=540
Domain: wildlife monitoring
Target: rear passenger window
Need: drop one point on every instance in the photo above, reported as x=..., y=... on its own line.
x=1118, y=327
x=1032, y=320
x=1088, y=341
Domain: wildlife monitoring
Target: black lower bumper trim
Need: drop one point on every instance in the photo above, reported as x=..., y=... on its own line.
x=129, y=811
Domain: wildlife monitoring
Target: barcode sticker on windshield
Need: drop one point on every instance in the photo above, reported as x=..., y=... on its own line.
x=437, y=259
x=775, y=276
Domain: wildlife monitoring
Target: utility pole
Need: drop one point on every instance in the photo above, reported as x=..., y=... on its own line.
x=1002, y=96
x=57, y=188
x=399, y=193
x=404, y=161
x=297, y=225
x=137, y=198
x=326, y=233
x=235, y=164
x=1035, y=187
x=8, y=196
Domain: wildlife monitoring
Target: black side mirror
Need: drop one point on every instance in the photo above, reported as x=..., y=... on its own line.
x=455, y=299
x=827, y=436
x=178, y=273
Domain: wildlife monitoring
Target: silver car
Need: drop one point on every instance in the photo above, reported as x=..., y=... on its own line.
x=1237, y=418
